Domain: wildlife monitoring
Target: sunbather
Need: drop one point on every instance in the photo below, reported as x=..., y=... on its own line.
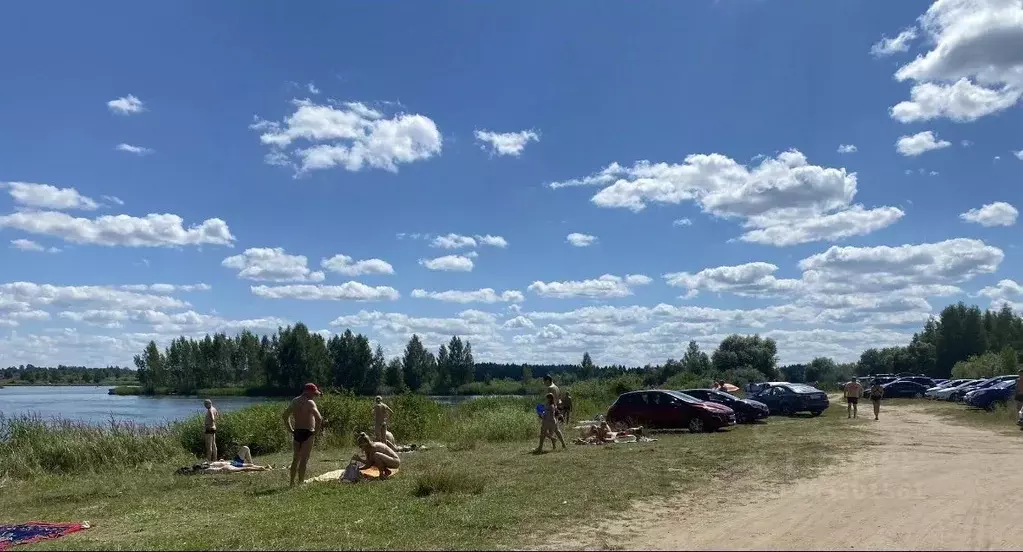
x=378, y=454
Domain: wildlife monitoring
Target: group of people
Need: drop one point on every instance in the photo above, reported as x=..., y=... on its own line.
x=854, y=391
x=304, y=420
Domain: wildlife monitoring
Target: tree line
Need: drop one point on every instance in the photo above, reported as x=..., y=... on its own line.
x=962, y=341
x=27, y=374
x=293, y=355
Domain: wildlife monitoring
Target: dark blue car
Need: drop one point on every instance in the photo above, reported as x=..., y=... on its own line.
x=987, y=397
x=960, y=394
x=746, y=410
x=789, y=398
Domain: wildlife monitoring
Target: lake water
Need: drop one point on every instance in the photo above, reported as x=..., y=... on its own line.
x=92, y=404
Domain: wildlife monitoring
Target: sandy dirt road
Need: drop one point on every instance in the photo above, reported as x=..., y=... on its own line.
x=933, y=485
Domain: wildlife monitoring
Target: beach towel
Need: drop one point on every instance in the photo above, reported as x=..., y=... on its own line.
x=370, y=474
x=35, y=531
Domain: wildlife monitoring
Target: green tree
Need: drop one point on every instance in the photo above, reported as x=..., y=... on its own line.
x=696, y=361
x=586, y=368
x=737, y=352
x=415, y=363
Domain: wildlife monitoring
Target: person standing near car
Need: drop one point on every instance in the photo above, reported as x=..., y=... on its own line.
x=853, y=391
x=876, y=393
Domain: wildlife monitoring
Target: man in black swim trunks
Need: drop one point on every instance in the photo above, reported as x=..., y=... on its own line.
x=307, y=420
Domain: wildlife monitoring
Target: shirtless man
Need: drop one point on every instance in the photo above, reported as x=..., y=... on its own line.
x=377, y=454
x=853, y=391
x=381, y=414
x=210, y=424
x=307, y=420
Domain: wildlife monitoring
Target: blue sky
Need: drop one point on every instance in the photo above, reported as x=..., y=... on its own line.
x=369, y=130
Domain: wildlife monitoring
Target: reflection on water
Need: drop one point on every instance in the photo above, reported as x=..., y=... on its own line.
x=94, y=405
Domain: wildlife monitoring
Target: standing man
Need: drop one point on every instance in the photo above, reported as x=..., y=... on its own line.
x=381, y=415
x=876, y=393
x=551, y=388
x=307, y=420
x=853, y=390
x=210, y=424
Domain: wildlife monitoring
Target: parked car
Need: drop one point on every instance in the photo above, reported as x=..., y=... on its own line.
x=947, y=384
x=922, y=380
x=988, y=397
x=903, y=388
x=746, y=410
x=663, y=409
x=948, y=391
x=789, y=398
x=959, y=395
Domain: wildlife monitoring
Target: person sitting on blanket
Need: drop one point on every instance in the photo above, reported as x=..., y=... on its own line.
x=378, y=454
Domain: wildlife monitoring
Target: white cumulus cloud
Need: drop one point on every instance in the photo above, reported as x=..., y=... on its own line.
x=506, y=143
x=888, y=46
x=349, y=135
x=126, y=105
x=343, y=264
x=272, y=265
x=45, y=196
x=847, y=148
x=767, y=198
x=449, y=263
x=998, y=213
x=348, y=291
x=607, y=286
x=153, y=230
x=919, y=143
x=29, y=245
x=485, y=295
x=581, y=240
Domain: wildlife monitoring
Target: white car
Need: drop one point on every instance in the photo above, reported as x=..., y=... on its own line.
x=944, y=393
x=944, y=385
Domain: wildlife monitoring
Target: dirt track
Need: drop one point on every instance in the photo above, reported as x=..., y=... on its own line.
x=932, y=486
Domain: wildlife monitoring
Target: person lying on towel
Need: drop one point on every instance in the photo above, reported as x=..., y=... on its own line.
x=378, y=454
x=242, y=462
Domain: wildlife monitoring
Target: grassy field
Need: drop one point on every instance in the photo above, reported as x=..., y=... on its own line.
x=1000, y=418
x=472, y=494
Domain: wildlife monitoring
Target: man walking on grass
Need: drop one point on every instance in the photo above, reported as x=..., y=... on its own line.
x=853, y=391
x=210, y=436
x=307, y=420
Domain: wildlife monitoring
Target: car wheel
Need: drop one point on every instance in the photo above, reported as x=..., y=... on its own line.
x=696, y=425
x=816, y=413
x=918, y=395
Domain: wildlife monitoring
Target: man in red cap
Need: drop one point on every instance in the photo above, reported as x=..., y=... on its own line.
x=307, y=420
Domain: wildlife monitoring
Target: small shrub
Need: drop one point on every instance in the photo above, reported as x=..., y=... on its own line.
x=448, y=481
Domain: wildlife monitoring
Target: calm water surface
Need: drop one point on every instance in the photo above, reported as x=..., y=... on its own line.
x=92, y=404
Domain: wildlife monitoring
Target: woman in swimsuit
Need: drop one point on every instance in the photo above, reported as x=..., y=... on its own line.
x=876, y=392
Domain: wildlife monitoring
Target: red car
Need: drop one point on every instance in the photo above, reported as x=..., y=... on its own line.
x=664, y=409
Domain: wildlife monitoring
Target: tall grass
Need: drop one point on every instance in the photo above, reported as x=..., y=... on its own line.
x=30, y=445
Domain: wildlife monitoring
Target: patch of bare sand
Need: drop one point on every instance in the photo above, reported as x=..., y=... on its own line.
x=932, y=485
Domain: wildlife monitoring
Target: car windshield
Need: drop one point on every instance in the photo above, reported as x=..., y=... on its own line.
x=800, y=388
x=683, y=397
x=1005, y=384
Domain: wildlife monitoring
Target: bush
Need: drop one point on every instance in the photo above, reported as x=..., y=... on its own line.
x=260, y=427
x=29, y=446
x=495, y=425
x=448, y=481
